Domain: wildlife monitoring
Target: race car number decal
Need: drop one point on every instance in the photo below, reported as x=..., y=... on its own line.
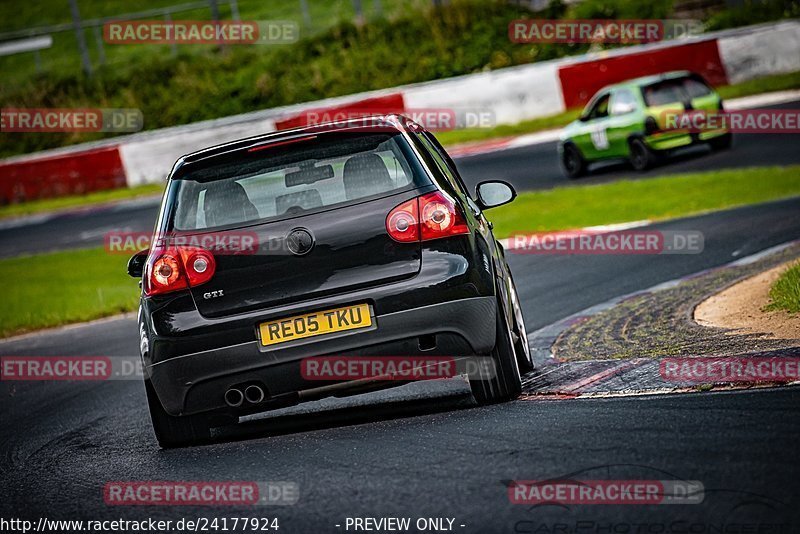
x=599, y=138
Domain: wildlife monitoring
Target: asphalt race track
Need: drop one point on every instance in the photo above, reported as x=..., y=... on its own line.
x=422, y=450
x=526, y=168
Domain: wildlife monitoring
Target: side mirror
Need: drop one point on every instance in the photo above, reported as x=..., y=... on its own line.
x=494, y=193
x=136, y=263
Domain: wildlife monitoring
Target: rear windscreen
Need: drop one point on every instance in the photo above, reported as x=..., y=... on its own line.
x=294, y=178
x=675, y=91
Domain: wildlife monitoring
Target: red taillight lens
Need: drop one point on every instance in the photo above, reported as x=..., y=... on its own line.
x=403, y=222
x=430, y=216
x=440, y=217
x=199, y=264
x=177, y=268
x=166, y=270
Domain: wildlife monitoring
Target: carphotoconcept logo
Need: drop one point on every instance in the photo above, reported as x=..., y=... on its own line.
x=226, y=32
x=601, y=242
x=31, y=120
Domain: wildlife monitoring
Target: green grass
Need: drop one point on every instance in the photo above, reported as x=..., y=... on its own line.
x=63, y=58
x=785, y=292
x=63, y=287
x=776, y=82
x=411, y=42
x=631, y=200
x=74, y=201
x=507, y=130
x=465, y=36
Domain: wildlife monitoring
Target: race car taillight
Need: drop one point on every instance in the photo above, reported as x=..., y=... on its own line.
x=177, y=267
x=431, y=216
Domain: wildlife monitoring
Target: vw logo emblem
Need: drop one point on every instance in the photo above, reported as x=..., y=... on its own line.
x=300, y=241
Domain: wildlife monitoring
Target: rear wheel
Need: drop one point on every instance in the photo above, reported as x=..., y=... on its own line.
x=641, y=156
x=174, y=431
x=520, y=335
x=506, y=383
x=723, y=142
x=573, y=162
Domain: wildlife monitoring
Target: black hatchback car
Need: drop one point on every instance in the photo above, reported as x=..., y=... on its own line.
x=353, y=239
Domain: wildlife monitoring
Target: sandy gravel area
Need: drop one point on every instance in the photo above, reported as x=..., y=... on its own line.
x=740, y=308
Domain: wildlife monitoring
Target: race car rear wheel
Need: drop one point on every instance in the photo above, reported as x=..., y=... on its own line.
x=641, y=156
x=506, y=383
x=174, y=431
x=723, y=142
x=573, y=162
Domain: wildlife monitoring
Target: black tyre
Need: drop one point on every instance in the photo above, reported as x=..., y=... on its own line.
x=506, y=383
x=174, y=431
x=641, y=156
x=573, y=162
x=723, y=142
x=520, y=334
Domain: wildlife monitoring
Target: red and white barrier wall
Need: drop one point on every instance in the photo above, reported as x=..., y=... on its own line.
x=512, y=95
x=54, y=175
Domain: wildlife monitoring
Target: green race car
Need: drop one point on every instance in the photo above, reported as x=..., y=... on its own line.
x=628, y=121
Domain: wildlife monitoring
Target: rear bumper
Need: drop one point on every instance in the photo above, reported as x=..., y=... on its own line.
x=669, y=141
x=196, y=382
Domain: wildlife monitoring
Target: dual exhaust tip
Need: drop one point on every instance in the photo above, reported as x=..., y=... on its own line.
x=253, y=394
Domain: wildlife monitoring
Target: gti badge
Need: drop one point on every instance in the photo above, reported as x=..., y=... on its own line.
x=212, y=294
x=300, y=241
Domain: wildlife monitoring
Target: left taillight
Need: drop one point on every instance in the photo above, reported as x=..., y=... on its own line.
x=173, y=268
x=430, y=216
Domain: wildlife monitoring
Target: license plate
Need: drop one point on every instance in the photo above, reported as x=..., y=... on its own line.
x=315, y=324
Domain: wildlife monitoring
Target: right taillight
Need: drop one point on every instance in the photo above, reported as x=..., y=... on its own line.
x=173, y=268
x=431, y=216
